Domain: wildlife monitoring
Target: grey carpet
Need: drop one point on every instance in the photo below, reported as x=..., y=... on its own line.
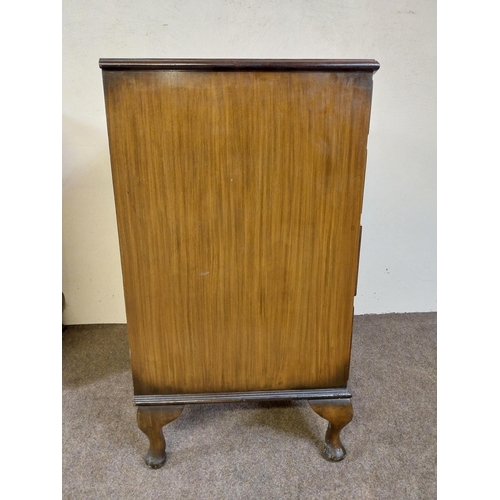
x=255, y=450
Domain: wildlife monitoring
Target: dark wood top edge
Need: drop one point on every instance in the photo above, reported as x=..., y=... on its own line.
x=241, y=64
x=228, y=397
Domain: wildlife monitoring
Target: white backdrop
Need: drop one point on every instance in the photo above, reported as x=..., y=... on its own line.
x=398, y=255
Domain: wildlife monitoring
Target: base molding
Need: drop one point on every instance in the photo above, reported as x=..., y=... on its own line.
x=233, y=397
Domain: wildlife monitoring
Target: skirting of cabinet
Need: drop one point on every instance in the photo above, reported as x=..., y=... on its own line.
x=234, y=397
x=151, y=419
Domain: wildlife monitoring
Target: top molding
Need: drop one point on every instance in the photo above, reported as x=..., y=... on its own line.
x=241, y=64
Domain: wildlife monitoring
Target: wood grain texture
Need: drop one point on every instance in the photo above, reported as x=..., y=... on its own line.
x=238, y=199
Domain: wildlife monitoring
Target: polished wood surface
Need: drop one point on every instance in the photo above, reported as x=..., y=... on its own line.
x=238, y=199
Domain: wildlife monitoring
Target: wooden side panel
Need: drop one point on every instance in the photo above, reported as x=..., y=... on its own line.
x=238, y=199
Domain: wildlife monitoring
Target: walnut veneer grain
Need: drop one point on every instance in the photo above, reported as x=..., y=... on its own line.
x=238, y=197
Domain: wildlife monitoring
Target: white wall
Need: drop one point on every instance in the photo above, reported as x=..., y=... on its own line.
x=398, y=257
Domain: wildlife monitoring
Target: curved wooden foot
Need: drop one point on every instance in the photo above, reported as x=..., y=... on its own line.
x=339, y=413
x=151, y=420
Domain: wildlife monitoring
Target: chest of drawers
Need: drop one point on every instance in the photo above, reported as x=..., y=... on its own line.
x=238, y=187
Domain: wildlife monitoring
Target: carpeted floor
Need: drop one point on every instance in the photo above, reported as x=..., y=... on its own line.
x=255, y=450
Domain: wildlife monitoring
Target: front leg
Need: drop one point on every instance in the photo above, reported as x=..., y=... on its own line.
x=151, y=420
x=339, y=413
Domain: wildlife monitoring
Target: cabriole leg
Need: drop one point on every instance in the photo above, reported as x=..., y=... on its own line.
x=151, y=420
x=339, y=413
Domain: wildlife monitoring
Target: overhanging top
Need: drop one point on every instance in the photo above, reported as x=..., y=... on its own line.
x=241, y=64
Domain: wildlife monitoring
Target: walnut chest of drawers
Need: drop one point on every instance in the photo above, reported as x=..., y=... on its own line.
x=238, y=187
